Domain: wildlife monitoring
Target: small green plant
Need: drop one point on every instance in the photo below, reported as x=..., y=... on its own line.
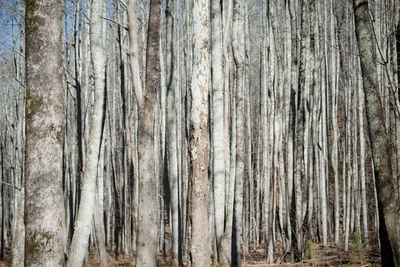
x=357, y=252
x=308, y=253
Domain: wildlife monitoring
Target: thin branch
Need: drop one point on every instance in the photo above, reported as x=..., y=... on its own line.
x=18, y=81
x=123, y=3
x=11, y=185
x=68, y=42
x=70, y=74
x=19, y=53
x=86, y=17
x=116, y=22
x=385, y=61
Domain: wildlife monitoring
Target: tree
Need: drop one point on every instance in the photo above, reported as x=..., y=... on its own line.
x=239, y=56
x=134, y=51
x=147, y=238
x=83, y=223
x=44, y=209
x=298, y=110
x=284, y=93
x=385, y=183
x=198, y=140
x=218, y=119
x=172, y=130
x=224, y=250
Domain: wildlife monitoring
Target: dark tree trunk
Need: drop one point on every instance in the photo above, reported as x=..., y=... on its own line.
x=385, y=183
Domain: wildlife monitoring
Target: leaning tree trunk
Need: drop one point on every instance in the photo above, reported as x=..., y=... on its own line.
x=44, y=208
x=385, y=183
x=147, y=239
x=198, y=146
x=83, y=223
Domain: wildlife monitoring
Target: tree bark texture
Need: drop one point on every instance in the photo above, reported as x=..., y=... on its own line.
x=198, y=135
x=218, y=118
x=147, y=234
x=83, y=223
x=238, y=46
x=44, y=209
x=385, y=183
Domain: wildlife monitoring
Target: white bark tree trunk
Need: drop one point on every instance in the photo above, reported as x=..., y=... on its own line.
x=134, y=51
x=198, y=147
x=218, y=118
x=361, y=107
x=172, y=153
x=83, y=223
x=334, y=103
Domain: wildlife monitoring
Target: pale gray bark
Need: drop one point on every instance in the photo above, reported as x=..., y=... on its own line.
x=324, y=163
x=355, y=218
x=44, y=212
x=227, y=23
x=238, y=46
x=18, y=244
x=18, y=250
x=147, y=233
x=269, y=179
x=347, y=192
x=361, y=106
x=134, y=51
x=198, y=146
x=171, y=129
x=226, y=240
x=228, y=234
x=334, y=102
x=264, y=124
x=98, y=210
x=218, y=118
x=296, y=80
x=83, y=223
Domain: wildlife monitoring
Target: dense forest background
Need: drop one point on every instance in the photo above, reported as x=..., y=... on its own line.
x=233, y=130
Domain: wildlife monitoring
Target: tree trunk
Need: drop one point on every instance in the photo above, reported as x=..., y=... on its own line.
x=361, y=106
x=134, y=51
x=238, y=46
x=218, y=119
x=172, y=153
x=83, y=223
x=298, y=110
x=147, y=239
x=44, y=209
x=334, y=102
x=198, y=147
x=385, y=183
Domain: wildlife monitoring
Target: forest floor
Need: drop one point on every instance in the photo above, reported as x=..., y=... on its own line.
x=331, y=255
x=359, y=254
